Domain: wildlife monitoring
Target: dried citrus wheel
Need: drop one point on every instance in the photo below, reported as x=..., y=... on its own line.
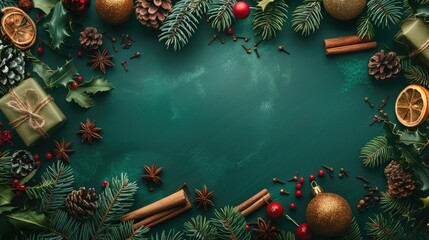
x=18, y=27
x=411, y=106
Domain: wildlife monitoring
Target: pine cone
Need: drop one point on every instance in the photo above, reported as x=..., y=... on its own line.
x=383, y=66
x=22, y=163
x=89, y=38
x=400, y=182
x=12, y=65
x=152, y=13
x=81, y=204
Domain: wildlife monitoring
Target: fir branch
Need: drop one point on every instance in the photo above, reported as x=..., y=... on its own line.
x=38, y=191
x=307, y=17
x=8, y=3
x=376, y=152
x=200, y=228
x=182, y=22
x=43, y=236
x=268, y=22
x=385, y=228
x=220, y=14
x=64, y=226
x=408, y=10
x=422, y=2
x=62, y=178
x=398, y=206
x=230, y=224
x=417, y=75
x=384, y=12
x=364, y=27
x=171, y=235
x=352, y=232
x=125, y=231
x=286, y=236
x=6, y=174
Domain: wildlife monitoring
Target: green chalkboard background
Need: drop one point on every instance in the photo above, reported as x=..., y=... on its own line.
x=215, y=115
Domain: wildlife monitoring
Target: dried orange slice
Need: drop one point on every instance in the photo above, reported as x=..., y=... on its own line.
x=18, y=27
x=411, y=106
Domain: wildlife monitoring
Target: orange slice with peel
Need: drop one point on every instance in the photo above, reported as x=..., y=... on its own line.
x=411, y=106
x=18, y=27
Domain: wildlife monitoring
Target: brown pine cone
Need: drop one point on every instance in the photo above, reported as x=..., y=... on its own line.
x=400, y=183
x=89, y=39
x=152, y=13
x=383, y=66
x=81, y=204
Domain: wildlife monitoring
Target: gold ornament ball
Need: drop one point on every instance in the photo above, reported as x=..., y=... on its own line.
x=344, y=9
x=328, y=215
x=114, y=12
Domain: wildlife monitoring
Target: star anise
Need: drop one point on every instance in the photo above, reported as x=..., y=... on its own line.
x=266, y=230
x=62, y=150
x=89, y=131
x=101, y=60
x=204, y=198
x=152, y=174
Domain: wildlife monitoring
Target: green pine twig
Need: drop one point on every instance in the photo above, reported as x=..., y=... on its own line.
x=268, y=22
x=376, y=152
x=385, y=228
x=307, y=17
x=417, y=75
x=220, y=14
x=170, y=235
x=365, y=27
x=286, y=236
x=398, y=206
x=352, y=232
x=8, y=3
x=385, y=12
x=200, y=228
x=230, y=224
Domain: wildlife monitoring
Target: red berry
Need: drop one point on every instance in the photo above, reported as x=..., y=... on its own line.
x=48, y=155
x=22, y=188
x=230, y=31
x=38, y=163
x=104, y=183
x=298, y=193
x=312, y=177
x=274, y=210
x=301, y=180
x=247, y=227
x=298, y=186
x=15, y=182
x=303, y=232
x=74, y=85
x=40, y=50
x=79, y=78
x=79, y=54
x=321, y=173
x=292, y=206
x=36, y=156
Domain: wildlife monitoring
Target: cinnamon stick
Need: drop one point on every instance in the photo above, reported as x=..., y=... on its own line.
x=252, y=200
x=351, y=48
x=178, y=198
x=346, y=40
x=255, y=206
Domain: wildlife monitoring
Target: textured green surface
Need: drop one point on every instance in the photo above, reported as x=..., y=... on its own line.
x=214, y=115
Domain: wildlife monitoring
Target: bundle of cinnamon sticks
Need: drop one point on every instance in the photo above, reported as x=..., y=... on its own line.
x=159, y=211
x=348, y=44
x=254, y=203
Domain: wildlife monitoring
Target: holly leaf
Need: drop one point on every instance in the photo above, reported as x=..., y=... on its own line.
x=58, y=24
x=263, y=3
x=6, y=195
x=391, y=133
x=4, y=209
x=29, y=219
x=45, y=5
x=63, y=75
x=80, y=95
x=413, y=137
x=29, y=176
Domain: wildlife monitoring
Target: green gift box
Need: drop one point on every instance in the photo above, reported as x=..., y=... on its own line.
x=32, y=112
x=414, y=36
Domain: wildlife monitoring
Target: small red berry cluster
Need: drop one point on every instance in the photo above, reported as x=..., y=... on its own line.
x=18, y=188
x=78, y=79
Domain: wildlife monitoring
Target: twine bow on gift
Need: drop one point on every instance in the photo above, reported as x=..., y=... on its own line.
x=420, y=49
x=29, y=113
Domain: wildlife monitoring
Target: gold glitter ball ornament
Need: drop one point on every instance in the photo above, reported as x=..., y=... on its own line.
x=344, y=9
x=114, y=12
x=328, y=214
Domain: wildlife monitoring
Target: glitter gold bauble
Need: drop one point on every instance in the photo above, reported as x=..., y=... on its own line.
x=114, y=12
x=328, y=214
x=344, y=9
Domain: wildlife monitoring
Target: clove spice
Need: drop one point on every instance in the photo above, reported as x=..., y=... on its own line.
x=282, y=191
x=257, y=53
x=330, y=169
x=363, y=179
x=124, y=64
x=185, y=188
x=383, y=103
x=214, y=37
x=136, y=55
x=366, y=99
x=258, y=42
x=276, y=180
x=294, y=178
x=282, y=48
x=248, y=50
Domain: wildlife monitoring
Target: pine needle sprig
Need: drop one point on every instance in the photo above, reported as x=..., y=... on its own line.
x=6, y=174
x=385, y=12
x=44, y=236
x=200, y=228
x=307, y=17
x=398, y=206
x=365, y=27
x=64, y=226
x=268, y=22
x=286, y=236
x=220, y=14
x=352, y=232
x=376, y=152
x=170, y=235
x=385, y=228
x=417, y=75
x=182, y=22
x=38, y=191
x=230, y=224
x=125, y=230
x=8, y=3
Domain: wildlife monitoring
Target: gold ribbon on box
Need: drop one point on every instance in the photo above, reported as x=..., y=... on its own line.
x=420, y=49
x=29, y=112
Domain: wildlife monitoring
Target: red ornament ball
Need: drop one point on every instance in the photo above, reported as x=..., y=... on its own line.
x=298, y=193
x=247, y=227
x=15, y=182
x=36, y=156
x=321, y=173
x=40, y=50
x=230, y=31
x=48, y=155
x=104, y=183
x=303, y=232
x=38, y=163
x=274, y=210
x=301, y=180
x=77, y=6
x=292, y=206
x=74, y=85
x=312, y=177
x=298, y=186
x=22, y=188
x=241, y=10
x=79, y=78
